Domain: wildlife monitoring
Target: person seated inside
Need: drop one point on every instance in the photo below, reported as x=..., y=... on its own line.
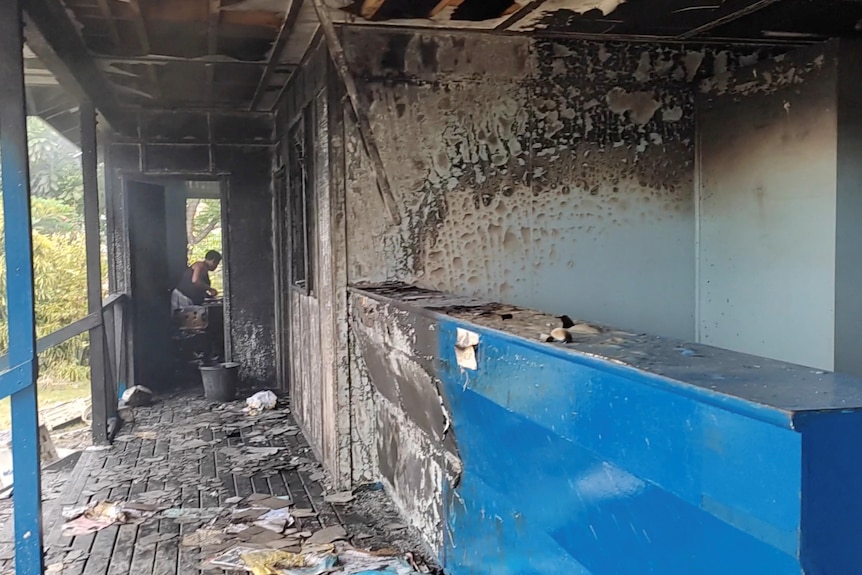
x=195, y=282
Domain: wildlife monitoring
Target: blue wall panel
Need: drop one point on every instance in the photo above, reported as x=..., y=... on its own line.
x=577, y=466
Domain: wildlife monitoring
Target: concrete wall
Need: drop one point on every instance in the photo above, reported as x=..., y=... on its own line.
x=537, y=172
x=238, y=150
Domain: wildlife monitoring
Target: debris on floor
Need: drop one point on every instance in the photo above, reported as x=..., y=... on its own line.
x=261, y=401
x=97, y=516
x=223, y=487
x=137, y=396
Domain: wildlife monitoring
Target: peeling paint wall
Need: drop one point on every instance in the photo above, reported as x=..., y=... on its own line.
x=403, y=427
x=536, y=172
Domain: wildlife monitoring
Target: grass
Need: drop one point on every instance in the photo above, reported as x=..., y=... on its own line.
x=49, y=394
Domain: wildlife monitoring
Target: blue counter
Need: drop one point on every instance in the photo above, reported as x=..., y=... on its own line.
x=627, y=454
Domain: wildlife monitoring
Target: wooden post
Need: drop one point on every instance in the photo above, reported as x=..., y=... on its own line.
x=102, y=396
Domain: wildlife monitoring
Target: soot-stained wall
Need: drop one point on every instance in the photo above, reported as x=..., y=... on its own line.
x=555, y=175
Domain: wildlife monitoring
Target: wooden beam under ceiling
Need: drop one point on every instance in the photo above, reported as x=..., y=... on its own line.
x=140, y=25
x=51, y=35
x=290, y=19
x=366, y=134
x=728, y=18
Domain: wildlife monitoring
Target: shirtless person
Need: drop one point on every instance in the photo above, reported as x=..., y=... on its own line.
x=195, y=283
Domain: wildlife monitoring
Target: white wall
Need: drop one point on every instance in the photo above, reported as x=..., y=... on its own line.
x=767, y=214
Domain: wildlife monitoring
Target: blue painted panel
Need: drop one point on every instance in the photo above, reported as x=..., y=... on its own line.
x=19, y=295
x=598, y=460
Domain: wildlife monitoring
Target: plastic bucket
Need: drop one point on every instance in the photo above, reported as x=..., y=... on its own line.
x=220, y=381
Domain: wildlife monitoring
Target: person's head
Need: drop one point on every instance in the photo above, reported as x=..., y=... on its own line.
x=212, y=259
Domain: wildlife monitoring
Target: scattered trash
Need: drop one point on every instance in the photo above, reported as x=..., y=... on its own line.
x=231, y=560
x=286, y=563
x=192, y=514
x=275, y=520
x=340, y=498
x=356, y=562
x=93, y=518
x=328, y=535
x=137, y=396
x=261, y=401
x=203, y=538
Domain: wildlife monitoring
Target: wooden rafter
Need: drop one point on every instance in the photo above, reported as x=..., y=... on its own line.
x=366, y=134
x=144, y=40
x=727, y=18
x=287, y=24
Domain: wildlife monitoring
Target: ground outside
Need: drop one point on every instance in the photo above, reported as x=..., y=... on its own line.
x=196, y=487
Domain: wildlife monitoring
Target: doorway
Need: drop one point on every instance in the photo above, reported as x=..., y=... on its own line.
x=173, y=223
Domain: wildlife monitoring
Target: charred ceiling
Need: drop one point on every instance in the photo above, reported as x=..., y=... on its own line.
x=770, y=21
x=195, y=54
x=239, y=54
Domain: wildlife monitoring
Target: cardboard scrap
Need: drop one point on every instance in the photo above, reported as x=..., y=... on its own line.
x=203, y=538
x=275, y=520
x=328, y=535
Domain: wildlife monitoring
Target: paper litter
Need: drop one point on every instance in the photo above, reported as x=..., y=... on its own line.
x=286, y=563
x=261, y=401
x=275, y=520
x=93, y=518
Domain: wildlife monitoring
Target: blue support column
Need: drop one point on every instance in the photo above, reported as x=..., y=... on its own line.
x=20, y=380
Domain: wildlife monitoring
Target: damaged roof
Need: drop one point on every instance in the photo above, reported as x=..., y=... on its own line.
x=239, y=54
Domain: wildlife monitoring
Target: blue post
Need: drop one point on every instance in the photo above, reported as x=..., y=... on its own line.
x=20, y=380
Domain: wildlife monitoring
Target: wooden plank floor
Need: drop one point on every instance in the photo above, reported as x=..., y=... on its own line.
x=175, y=453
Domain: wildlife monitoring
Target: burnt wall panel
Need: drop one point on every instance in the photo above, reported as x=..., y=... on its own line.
x=246, y=173
x=536, y=172
x=242, y=128
x=174, y=126
x=249, y=249
x=177, y=158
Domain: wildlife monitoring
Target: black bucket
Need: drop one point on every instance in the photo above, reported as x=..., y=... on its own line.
x=220, y=381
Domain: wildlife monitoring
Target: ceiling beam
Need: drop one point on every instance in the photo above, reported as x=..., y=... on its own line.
x=134, y=60
x=51, y=35
x=144, y=40
x=728, y=18
x=290, y=19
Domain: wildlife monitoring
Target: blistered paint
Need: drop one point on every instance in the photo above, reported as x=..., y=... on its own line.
x=522, y=166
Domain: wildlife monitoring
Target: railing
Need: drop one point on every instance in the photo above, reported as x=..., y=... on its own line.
x=109, y=357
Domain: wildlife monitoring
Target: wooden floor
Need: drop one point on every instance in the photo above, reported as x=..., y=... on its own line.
x=175, y=450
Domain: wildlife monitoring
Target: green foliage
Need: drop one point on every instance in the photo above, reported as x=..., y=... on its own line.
x=204, y=233
x=59, y=251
